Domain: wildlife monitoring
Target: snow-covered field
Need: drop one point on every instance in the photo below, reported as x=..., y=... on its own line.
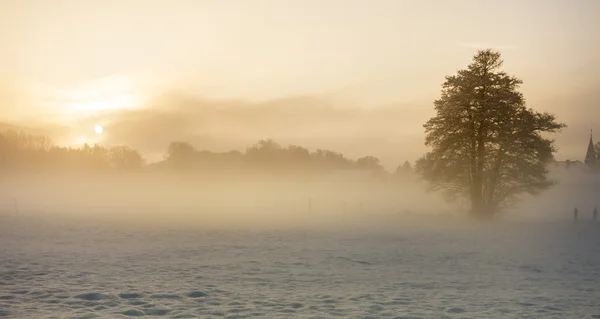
x=87, y=270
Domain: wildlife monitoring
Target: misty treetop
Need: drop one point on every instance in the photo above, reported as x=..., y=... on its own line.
x=267, y=155
x=20, y=151
x=486, y=145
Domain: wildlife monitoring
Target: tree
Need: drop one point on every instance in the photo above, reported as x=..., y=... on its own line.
x=180, y=150
x=597, y=149
x=20, y=150
x=298, y=155
x=326, y=159
x=124, y=157
x=486, y=145
x=181, y=155
x=404, y=169
x=266, y=154
x=265, y=150
x=369, y=163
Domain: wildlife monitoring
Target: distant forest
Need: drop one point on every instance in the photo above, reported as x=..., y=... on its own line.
x=20, y=151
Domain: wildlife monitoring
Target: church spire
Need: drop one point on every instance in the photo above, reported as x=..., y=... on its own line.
x=590, y=157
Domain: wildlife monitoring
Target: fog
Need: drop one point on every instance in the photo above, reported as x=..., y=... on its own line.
x=234, y=199
x=352, y=77
x=253, y=199
x=575, y=188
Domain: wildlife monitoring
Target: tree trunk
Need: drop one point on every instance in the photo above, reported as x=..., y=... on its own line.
x=490, y=187
x=477, y=207
x=477, y=196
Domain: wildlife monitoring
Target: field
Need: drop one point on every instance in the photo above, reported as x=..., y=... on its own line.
x=77, y=269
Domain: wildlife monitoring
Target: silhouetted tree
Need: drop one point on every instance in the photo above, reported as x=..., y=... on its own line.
x=179, y=150
x=265, y=153
x=298, y=156
x=486, y=145
x=96, y=157
x=325, y=159
x=181, y=155
x=404, y=169
x=19, y=150
x=124, y=157
x=369, y=163
x=597, y=149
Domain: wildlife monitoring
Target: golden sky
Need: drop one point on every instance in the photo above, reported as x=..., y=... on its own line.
x=70, y=65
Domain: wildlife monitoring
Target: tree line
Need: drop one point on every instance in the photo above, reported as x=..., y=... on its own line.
x=21, y=151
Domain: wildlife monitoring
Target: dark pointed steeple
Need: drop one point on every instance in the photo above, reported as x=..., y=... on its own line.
x=590, y=157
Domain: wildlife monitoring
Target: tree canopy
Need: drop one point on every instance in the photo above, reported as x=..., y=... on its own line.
x=19, y=150
x=267, y=155
x=486, y=145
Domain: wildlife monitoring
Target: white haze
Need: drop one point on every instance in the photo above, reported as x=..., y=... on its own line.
x=143, y=249
x=267, y=199
x=234, y=199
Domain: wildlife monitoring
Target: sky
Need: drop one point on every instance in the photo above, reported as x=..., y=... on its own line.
x=357, y=76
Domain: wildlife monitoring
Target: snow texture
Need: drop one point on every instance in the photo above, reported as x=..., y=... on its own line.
x=54, y=270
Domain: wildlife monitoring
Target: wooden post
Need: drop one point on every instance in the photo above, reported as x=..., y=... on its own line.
x=575, y=213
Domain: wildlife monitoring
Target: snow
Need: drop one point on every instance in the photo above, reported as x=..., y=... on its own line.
x=67, y=269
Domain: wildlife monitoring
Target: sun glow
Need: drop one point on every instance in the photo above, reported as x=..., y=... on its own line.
x=95, y=105
x=99, y=129
x=99, y=96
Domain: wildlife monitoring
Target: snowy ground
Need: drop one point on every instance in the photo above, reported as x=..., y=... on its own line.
x=86, y=270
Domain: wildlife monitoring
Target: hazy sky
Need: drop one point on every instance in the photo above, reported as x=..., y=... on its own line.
x=64, y=60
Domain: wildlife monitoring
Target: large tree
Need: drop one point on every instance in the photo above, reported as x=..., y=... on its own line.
x=487, y=146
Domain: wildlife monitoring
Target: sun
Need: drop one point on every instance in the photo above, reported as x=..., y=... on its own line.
x=99, y=129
